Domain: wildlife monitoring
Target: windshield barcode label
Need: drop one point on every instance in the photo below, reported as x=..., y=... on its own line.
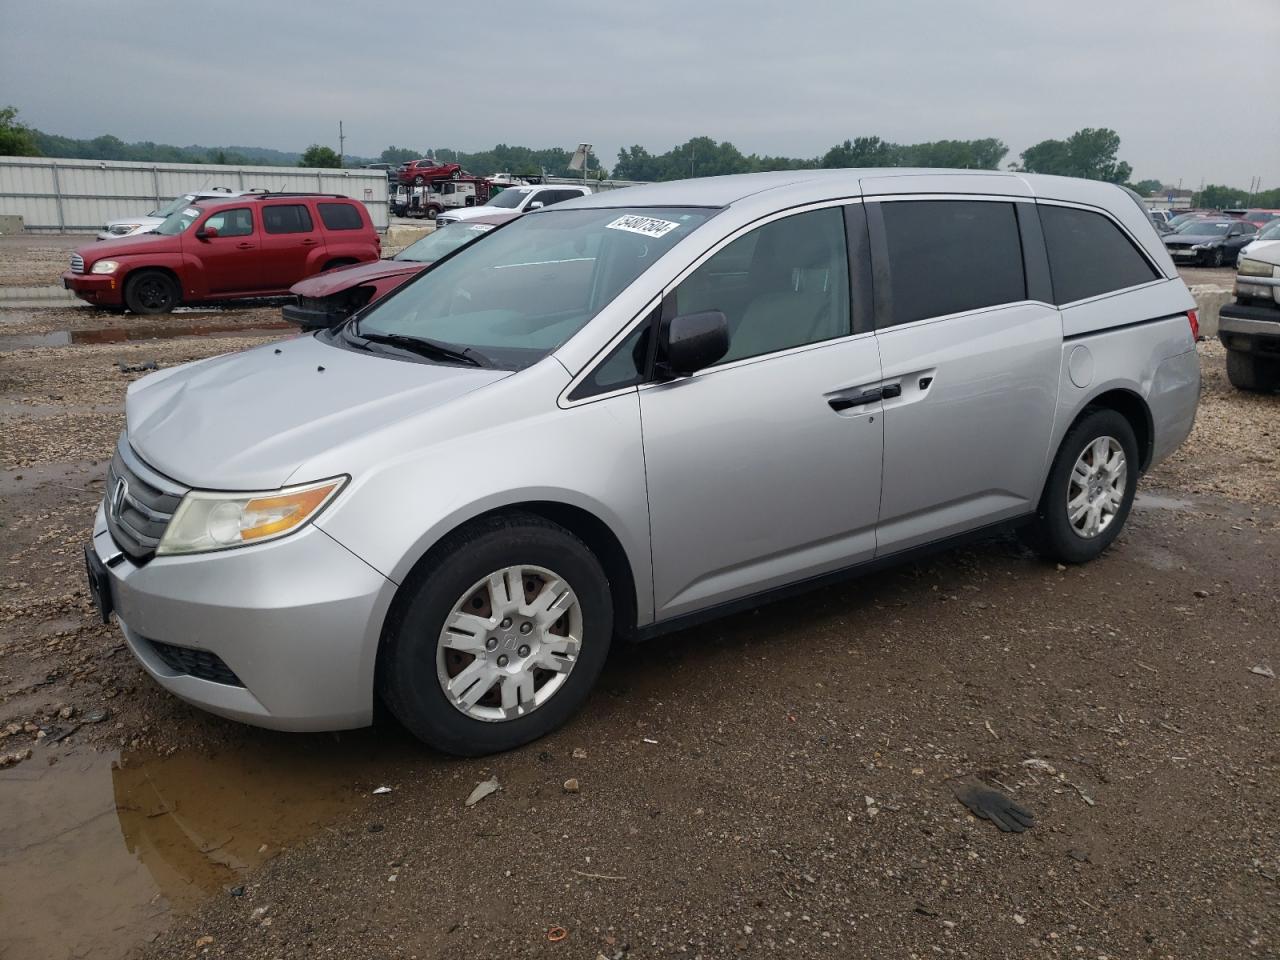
x=645, y=226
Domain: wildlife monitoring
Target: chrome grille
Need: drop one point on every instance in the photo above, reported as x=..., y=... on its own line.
x=139, y=503
x=77, y=263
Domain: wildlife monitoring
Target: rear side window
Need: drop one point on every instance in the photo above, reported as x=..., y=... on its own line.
x=286, y=218
x=1089, y=255
x=948, y=256
x=340, y=216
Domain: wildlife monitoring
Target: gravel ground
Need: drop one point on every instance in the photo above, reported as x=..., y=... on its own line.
x=778, y=782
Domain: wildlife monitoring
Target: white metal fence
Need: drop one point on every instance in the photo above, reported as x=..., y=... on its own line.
x=78, y=196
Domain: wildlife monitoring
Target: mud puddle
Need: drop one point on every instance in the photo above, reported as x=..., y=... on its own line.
x=98, y=851
x=126, y=334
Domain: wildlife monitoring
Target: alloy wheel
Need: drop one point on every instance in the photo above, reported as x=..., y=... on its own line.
x=1096, y=489
x=509, y=643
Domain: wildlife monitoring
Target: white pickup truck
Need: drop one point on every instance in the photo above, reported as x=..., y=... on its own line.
x=1250, y=327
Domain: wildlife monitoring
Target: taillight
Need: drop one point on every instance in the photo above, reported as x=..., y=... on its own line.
x=1195, y=324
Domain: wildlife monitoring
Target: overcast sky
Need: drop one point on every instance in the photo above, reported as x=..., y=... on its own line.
x=1192, y=86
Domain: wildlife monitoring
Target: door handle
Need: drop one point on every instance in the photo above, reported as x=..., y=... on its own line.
x=857, y=400
x=309, y=243
x=244, y=246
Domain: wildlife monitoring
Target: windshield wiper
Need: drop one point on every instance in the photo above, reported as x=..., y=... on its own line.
x=431, y=349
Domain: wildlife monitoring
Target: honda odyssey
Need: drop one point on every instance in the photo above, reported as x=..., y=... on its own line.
x=626, y=413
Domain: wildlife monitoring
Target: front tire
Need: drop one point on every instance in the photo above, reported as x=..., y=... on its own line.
x=1246, y=371
x=1090, y=489
x=500, y=639
x=1218, y=259
x=150, y=292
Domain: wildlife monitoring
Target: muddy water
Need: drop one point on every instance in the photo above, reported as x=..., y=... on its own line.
x=98, y=850
x=132, y=332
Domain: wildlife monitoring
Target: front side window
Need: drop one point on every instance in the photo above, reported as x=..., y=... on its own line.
x=232, y=223
x=533, y=284
x=1089, y=255
x=949, y=256
x=340, y=216
x=780, y=286
x=178, y=221
x=286, y=218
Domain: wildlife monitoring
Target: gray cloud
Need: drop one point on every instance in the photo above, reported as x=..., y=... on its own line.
x=1189, y=85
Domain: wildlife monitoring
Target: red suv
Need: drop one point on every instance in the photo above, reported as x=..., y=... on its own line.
x=427, y=169
x=258, y=245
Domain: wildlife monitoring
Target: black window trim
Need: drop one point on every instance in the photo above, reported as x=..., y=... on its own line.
x=882, y=268
x=1160, y=275
x=861, y=320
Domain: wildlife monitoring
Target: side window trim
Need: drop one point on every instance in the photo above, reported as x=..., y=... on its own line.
x=1035, y=255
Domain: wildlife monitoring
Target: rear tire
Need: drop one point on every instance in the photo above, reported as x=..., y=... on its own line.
x=1089, y=492
x=1247, y=371
x=149, y=292
x=417, y=667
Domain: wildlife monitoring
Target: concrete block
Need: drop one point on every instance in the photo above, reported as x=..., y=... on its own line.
x=11, y=223
x=1209, y=300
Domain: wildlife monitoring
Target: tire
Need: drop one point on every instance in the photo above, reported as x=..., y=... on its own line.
x=433, y=212
x=1247, y=371
x=419, y=180
x=1053, y=534
x=150, y=292
x=1218, y=259
x=414, y=667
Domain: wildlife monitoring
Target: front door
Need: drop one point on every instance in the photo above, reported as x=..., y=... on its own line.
x=973, y=360
x=229, y=261
x=764, y=469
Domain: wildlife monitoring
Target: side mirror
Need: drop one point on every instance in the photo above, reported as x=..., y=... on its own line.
x=206, y=233
x=690, y=342
x=536, y=204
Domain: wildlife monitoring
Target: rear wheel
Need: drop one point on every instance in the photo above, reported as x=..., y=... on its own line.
x=151, y=292
x=1218, y=259
x=502, y=638
x=1089, y=491
x=1248, y=371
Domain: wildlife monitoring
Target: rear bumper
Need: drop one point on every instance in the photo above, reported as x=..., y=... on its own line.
x=1250, y=329
x=105, y=290
x=296, y=621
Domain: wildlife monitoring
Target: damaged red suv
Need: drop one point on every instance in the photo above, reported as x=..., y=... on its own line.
x=325, y=301
x=257, y=245
x=422, y=171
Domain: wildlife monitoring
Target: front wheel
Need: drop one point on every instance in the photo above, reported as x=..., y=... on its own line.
x=1090, y=489
x=419, y=180
x=501, y=638
x=151, y=292
x=1218, y=258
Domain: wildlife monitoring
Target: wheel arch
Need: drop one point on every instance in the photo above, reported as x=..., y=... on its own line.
x=1130, y=405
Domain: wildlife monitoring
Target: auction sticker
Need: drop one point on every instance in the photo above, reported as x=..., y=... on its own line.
x=645, y=226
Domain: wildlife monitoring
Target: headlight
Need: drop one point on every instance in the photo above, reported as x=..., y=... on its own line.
x=1254, y=268
x=206, y=520
x=105, y=266
x=1201, y=246
x=121, y=229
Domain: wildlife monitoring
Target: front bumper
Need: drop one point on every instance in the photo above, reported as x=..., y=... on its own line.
x=297, y=621
x=101, y=289
x=1250, y=329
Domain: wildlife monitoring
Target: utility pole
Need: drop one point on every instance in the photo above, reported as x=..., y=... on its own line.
x=341, y=143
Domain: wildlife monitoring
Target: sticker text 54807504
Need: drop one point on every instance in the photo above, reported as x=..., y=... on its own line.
x=645, y=226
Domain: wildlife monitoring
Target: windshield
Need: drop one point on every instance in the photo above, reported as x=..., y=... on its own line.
x=1271, y=231
x=535, y=283
x=435, y=246
x=508, y=199
x=1205, y=228
x=175, y=223
x=172, y=207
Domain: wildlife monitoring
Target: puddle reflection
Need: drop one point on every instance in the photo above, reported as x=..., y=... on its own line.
x=98, y=849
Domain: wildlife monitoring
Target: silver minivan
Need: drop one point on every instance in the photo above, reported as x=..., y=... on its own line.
x=629, y=412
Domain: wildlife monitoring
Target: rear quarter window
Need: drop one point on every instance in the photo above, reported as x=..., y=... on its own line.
x=340, y=216
x=1089, y=255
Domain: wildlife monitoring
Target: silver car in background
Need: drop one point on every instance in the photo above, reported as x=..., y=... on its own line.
x=626, y=413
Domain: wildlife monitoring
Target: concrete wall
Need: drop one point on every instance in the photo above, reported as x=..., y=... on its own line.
x=79, y=196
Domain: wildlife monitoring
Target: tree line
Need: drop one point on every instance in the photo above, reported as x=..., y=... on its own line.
x=1092, y=153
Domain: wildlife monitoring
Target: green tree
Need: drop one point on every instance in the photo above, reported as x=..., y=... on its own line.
x=16, y=139
x=861, y=152
x=318, y=156
x=1147, y=188
x=1218, y=197
x=398, y=155
x=1089, y=153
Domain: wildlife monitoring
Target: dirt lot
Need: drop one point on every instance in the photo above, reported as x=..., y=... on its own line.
x=776, y=783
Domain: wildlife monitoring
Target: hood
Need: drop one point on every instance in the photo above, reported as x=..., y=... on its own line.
x=1267, y=251
x=246, y=421
x=148, y=222
x=344, y=278
x=1186, y=239
x=144, y=243
x=470, y=213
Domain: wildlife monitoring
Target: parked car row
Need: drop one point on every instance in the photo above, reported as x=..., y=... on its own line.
x=1207, y=241
x=295, y=532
